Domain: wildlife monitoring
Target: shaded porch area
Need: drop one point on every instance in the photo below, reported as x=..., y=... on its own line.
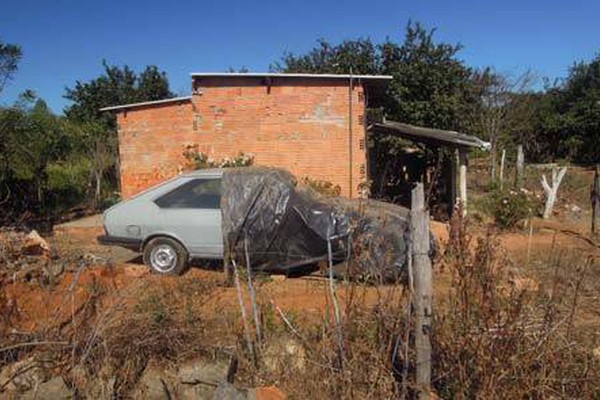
x=401, y=154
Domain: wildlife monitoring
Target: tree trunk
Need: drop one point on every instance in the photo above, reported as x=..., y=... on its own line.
x=551, y=191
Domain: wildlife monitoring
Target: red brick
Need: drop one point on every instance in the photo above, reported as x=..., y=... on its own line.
x=301, y=127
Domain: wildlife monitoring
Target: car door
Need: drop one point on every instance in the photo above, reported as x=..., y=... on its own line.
x=192, y=213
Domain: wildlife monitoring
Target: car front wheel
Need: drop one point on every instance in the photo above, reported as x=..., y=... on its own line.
x=165, y=256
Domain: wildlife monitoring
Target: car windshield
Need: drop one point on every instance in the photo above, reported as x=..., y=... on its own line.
x=197, y=193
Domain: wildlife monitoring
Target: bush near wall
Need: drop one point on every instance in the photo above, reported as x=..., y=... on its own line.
x=509, y=207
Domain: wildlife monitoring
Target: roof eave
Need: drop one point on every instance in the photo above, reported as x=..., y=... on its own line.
x=146, y=104
x=288, y=75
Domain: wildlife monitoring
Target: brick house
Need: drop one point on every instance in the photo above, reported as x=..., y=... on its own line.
x=312, y=125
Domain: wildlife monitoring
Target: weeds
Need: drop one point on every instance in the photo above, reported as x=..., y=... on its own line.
x=495, y=340
x=491, y=338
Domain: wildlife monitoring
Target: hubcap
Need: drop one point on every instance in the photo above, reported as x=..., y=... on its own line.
x=163, y=258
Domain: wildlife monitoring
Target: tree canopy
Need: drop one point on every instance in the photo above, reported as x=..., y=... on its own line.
x=50, y=163
x=117, y=85
x=10, y=54
x=431, y=85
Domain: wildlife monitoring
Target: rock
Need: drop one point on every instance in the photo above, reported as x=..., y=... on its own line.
x=226, y=391
x=54, y=389
x=24, y=375
x=35, y=245
x=575, y=209
x=199, y=378
x=153, y=385
x=201, y=371
x=100, y=386
x=196, y=392
x=284, y=353
x=103, y=389
x=266, y=393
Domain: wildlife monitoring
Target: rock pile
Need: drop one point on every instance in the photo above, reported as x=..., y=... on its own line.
x=27, y=257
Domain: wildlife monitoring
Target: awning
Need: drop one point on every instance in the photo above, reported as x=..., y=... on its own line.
x=435, y=137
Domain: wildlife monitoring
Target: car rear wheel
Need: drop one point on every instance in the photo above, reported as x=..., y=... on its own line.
x=165, y=256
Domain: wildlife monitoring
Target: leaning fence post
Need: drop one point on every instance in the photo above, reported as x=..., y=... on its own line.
x=419, y=222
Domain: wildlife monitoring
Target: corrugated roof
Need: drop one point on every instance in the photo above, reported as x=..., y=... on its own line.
x=146, y=103
x=430, y=135
x=286, y=76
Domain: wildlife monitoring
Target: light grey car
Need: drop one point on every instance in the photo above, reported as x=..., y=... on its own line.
x=170, y=223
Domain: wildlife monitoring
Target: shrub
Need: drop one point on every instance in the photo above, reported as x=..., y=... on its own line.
x=325, y=188
x=509, y=207
x=198, y=160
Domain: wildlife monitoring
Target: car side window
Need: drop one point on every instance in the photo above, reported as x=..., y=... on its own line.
x=197, y=193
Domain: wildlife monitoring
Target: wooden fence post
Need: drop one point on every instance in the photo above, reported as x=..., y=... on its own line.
x=463, y=157
x=419, y=222
x=595, y=198
x=520, y=167
x=502, y=159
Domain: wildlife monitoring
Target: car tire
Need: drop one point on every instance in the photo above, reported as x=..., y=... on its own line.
x=165, y=256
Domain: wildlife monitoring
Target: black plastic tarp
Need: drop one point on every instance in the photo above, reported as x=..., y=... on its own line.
x=285, y=226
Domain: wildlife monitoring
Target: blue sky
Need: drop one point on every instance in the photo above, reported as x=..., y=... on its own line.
x=65, y=41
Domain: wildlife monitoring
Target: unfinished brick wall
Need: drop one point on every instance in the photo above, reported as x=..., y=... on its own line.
x=150, y=144
x=301, y=125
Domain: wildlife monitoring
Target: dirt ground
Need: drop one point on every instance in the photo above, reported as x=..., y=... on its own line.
x=308, y=294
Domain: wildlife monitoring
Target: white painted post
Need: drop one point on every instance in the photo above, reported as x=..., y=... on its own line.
x=502, y=159
x=423, y=285
x=462, y=178
x=520, y=167
x=551, y=192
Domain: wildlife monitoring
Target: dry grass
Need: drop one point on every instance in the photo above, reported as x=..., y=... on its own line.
x=115, y=334
x=491, y=337
x=494, y=339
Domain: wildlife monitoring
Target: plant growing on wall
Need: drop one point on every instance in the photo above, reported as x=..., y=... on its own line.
x=198, y=160
x=325, y=188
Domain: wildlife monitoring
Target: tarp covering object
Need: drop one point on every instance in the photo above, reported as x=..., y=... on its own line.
x=285, y=226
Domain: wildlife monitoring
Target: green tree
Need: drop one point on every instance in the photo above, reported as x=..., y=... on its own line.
x=503, y=112
x=117, y=85
x=579, y=108
x=32, y=141
x=431, y=86
x=358, y=56
x=567, y=117
x=10, y=54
